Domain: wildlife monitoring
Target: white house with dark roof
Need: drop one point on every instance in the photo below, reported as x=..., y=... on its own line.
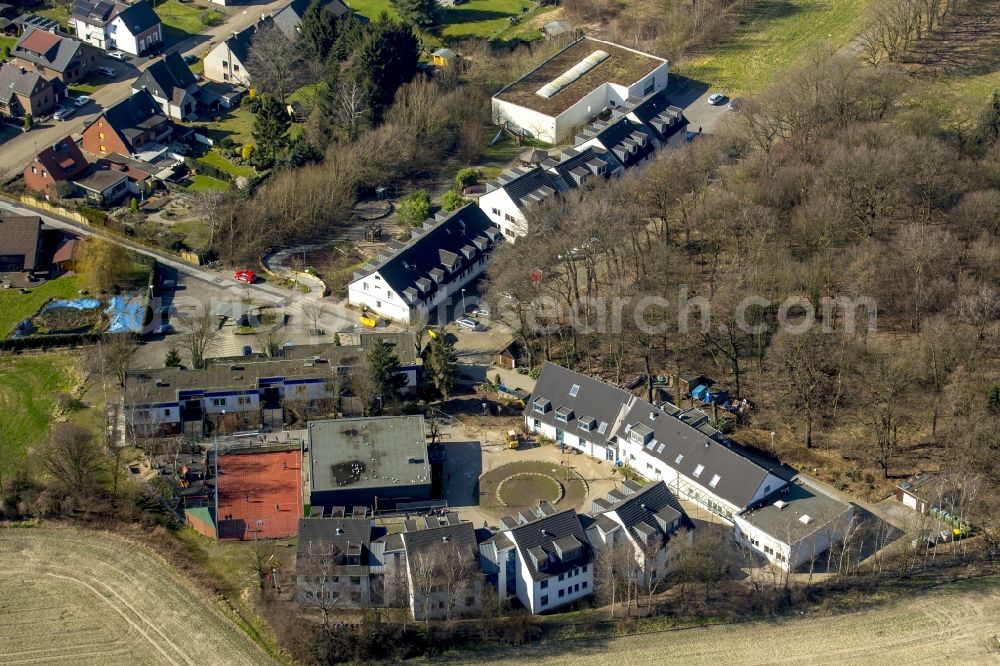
x=173, y=86
x=662, y=443
x=576, y=85
x=407, y=283
x=798, y=524
x=133, y=28
x=542, y=557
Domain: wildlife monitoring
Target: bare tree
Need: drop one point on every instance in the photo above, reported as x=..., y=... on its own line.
x=276, y=62
x=117, y=350
x=199, y=336
x=271, y=339
x=72, y=459
x=313, y=310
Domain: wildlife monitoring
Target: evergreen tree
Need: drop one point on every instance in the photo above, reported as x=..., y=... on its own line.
x=270, y=127
x=422, y=13
x=383, y=363
x=388, y=58
x=440, y=362
x=990, y=123
x=172, y=359
x=319, y=31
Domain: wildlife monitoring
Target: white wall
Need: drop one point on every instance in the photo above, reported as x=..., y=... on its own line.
x=231, y=403
x=593, y=449
x=533, y=123
x=90, y=34
x=504, y=213
x=233, y=71
x=129, y=43
x=792, y=555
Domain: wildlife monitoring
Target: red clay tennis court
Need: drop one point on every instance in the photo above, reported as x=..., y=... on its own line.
x=260, y=495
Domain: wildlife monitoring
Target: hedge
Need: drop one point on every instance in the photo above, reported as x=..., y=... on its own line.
x=206, y=169
x=94, y=216
x=46, y=341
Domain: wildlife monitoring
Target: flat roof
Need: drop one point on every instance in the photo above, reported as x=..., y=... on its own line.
x=781, y=516
x=623, y=66
x=372, y=452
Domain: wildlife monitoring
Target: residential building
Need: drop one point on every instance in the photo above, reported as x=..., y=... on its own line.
x=20, y=243
x=376, y=462
x=24, y=92
x=103, y=187
x=542, y=557
x=133, y=28
x=140, y=179
x=337, y=560
x=647, y=518
x=229, y=61
x=659, y=442
x=173, y=86
x=795, y=525
x=636, y=130
x=576, y=85
x=256, y=391
x=289, y=17
x=54, y=169
x=54, y=55
x=135, y=124
x=439, y=260
x=443, y=576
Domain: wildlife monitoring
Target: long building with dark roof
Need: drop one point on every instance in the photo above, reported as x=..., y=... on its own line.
x=408, y=283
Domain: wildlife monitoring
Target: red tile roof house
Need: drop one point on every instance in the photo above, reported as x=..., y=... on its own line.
x=128, y=126
x=61, y=162
x=54, y=55
x=23, y=92
x=140, y=181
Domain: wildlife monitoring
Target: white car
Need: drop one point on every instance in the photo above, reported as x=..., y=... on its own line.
x=107, y=71
x=82, y=100
x=64, y=112
x=715, y=99
x=117, y=55
x=469, y=324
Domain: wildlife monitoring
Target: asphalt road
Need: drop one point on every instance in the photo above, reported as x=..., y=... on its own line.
x=18, y=151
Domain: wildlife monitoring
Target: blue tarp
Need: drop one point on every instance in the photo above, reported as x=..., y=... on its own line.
x=76, y=304
x=699, y=392
x=126, y=314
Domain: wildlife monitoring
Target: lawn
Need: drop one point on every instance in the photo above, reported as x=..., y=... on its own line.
x=236, y=124
x=15, y=306
x=204, y=184
x=477, y=18
x=219, y=162
x=196, y=233
x=88, y=86
x=8, y=43
x=28, y=386
x=181, y=20
x=774, y=37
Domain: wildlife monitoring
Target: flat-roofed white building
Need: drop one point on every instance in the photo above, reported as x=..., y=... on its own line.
x=571, y=88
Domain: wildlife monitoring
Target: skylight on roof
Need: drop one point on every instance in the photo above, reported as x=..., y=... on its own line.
x=574, y=389
x=698, y=470
x=572, y=74
x=805, y=519
x=603, y=428
x=715, y=481
x=679, y=458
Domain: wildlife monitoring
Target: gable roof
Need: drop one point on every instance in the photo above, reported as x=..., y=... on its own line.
x=15, y=80
x=436, y=251
x=19, y=235
x=63, y=160
x=324, y=544
x=168, y=78
x=589, y=160
x=133, y=115
x=138, y=18
x=656, y=112
x=697, y=455
x=460, y=534
x=289, y=18
x=239, y=44
x=594, y=399
x=543, y=537
x=52, y=50
x=653, y=506
x=98, y=12
x=630, y=142
x=525, y=185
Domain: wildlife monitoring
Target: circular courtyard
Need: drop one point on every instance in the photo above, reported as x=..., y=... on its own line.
x=506, y=489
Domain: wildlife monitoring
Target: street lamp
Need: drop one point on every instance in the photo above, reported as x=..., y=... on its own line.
x=463, y=302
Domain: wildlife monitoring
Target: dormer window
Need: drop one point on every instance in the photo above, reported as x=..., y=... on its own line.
x=587, y=423
x=640, y=434
x=564, y=414
x=541, y=405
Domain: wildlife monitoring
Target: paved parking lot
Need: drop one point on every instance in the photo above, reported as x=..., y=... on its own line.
x=693, y=96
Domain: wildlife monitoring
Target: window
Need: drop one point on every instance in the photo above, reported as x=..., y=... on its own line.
x=561, y=576
x=166, y=412
x=584, y=585
x=576, y=588
x=34, y=170
x=470, y=601
x=544, y=585
x=545, y=600
x=496, y=211
x=649, y=466
x=698, y=470
x=715, y=481
x=574, y=389
x=562, y=593
x=45, y=174
x=584, y=569
x=355, y=580
x=536, y=424
x=103, y=149
x=100, y=135
x=678, y=459
x=218, y=402
x=225, y=64
x=236, y=67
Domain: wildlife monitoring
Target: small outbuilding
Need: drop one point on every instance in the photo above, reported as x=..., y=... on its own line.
x=555, y=28
x=443, y=57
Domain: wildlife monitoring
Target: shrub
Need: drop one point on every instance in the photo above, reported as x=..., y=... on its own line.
x=247, y=152
x=251, y=102
x=415, y=207
x=96, y=217
x=452, y=200
x=466, y=177
x=226, y=143
x=29, y=121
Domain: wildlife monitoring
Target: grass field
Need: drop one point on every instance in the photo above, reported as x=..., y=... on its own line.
x=205, y=183
x=952, y=624
x=15, y=306
x=87, y=597
x=8, y=43
x=180, y=20
x=488, y=19
x=775, y=36
x=220, y=162
x=28, y=385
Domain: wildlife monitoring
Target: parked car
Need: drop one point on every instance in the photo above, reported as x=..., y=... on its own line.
x=117, y=55
x=81, y=100
x=64, y=112
x=246, y=276
x=736, y=104
x=168, y=284
x=469, y=324
x=190, y=59
x=164, y=329
x=247, y=350
x=107, y=71
x=482, y=311
x=715, y=99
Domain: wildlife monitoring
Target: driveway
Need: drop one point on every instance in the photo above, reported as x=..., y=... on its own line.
x=692, y=96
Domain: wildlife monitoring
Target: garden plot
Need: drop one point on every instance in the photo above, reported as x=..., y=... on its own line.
x=81, y=597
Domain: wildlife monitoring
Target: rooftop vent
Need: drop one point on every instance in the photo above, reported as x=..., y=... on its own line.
x=781, y=504
x=805, y=519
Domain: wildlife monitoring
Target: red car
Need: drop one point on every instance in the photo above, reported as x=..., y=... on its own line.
x=246, y=276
